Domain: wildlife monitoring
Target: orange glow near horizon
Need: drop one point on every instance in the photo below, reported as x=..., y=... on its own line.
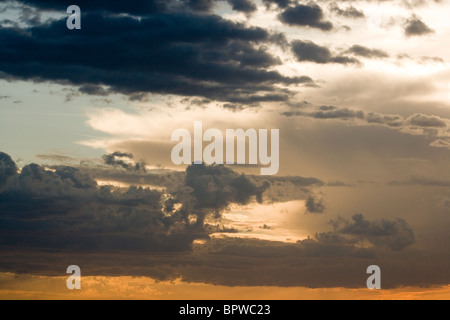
x=27, y=287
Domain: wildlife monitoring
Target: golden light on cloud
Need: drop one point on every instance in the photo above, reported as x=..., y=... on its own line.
x=274, y=222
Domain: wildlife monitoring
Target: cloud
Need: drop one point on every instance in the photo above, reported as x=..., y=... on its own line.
x=211, y=189
x=311, y=52
x=279, y=3
x=414, y=26
x=349, y=12
x=367, y=52
x=422, y=120
x=63, y=215
x=421, y=181
x=328, y=112
x=306, y=16
x=315, y=205
x=172, y=52
x=135, y=7
x=112, y=160
x=441, y=143
x=8, y=169
x=396, y=234
x=385, y=119
x=200, y=5
x=246, y=6
x=416, y=124
x=64, y=208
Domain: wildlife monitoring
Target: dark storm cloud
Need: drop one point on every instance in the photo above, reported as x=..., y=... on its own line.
x=306, y=16
x=175, y=52
x=142, y=7
x=349, y=12
x=64, y=208
x=367, y=52
x=416, y=27
x=309, y=51
x=315, y=205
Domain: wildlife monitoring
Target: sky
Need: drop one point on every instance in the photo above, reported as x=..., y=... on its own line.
x=357, y=89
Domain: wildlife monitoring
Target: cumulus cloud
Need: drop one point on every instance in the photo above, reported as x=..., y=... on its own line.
x=306, y=50
x=306, y=16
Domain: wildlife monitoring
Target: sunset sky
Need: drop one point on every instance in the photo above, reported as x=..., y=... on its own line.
x=360, y=91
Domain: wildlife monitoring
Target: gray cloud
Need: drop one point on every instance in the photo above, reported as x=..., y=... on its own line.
x=414, y=26
x=422, y=120
x=349, y=12
x=427, y=125
x=306, y=16
x=325, y=260
x=111, y=159
x=311, y=52
x=106, y=232
x=367, y=52
x=328, y=112
x=8, y=169
x=315, y=205
x=385, y=119
x=247, y=6
x=210, y=189
x=396, y=234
